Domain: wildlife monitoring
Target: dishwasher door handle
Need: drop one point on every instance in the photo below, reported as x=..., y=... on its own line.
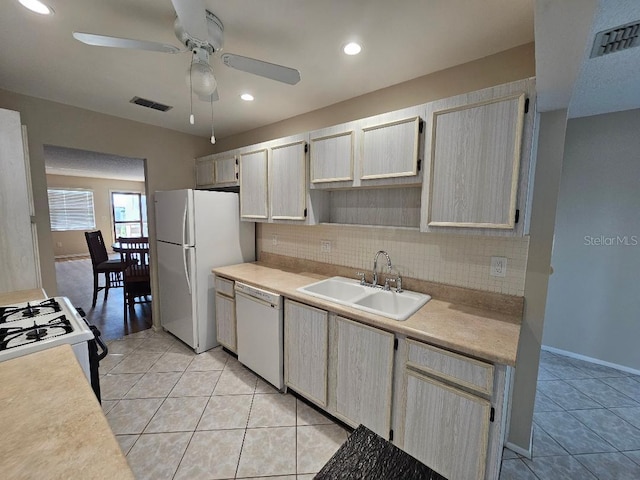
x=254, y=299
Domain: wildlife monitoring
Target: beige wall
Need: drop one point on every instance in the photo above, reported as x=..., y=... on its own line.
x=72, y=243
x=169, y=154
x=596, y=254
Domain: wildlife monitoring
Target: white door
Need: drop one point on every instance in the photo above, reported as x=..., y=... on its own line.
x=175, y=267
x=173, y=222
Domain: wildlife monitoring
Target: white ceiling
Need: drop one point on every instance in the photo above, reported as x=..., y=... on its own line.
x=401, y=40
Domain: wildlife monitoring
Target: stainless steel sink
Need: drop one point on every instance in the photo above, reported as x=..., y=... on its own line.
x=349, y=292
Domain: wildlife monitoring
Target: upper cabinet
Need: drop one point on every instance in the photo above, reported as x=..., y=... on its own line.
x=456, y=165
x=254, y=183
x=288, y=181
x=217, y=170
x=478, y=148
x=274, y=182
x=383, y=150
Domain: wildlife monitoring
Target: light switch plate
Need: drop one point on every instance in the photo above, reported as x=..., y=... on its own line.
x=498, y=267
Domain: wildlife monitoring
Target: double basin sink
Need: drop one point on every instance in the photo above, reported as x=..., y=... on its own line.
x=349, y=292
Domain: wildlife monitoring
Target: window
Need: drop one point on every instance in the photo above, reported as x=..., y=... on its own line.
x=129, y=214
x=71, y=209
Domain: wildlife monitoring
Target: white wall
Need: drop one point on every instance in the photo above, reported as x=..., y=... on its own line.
x=593, y=306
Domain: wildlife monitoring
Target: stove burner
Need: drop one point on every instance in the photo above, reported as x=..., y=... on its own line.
x=36, y=334
x=11, y=314
x=11, y=337
x=29, y=311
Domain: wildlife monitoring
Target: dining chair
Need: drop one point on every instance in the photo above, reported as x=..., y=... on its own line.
x=134, y=252
x=112, y=268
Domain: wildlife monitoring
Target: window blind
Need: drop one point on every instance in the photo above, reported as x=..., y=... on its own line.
x=71, y=209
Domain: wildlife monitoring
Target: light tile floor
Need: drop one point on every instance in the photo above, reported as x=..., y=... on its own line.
x=586, y=424
x=185, y=416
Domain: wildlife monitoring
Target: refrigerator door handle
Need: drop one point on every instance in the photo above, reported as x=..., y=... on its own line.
x=184, y=222
x=185, y=249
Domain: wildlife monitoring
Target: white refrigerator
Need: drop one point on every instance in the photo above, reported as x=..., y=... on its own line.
x=196, y=230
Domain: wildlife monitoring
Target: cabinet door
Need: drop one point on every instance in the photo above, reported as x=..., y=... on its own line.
x=18, y=255
x=475, y=159
x=205, y=173
x=288, y=178
x=446, y=428
x=253, y=185
x=226, y=171
x=390, y=149
x=306, y=336
x=226, y=321
x=332, y=155
x=364, y=375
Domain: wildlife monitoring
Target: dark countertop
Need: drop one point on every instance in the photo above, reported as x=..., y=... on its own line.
x=366, y=455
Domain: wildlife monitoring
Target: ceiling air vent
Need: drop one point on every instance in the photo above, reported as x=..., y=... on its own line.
x=150, y=104
x=616, y=39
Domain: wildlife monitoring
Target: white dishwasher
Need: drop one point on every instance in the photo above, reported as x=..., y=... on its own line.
x=259, y=316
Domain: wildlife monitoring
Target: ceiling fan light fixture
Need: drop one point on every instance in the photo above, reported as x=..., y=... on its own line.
x=247, y=97
x=202, y=79
x=352, y=48
x=37, y=6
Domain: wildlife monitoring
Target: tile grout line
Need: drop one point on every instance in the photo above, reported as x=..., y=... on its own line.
x=245, y=428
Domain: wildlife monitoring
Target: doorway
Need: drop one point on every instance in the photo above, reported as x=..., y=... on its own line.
x=117, y=188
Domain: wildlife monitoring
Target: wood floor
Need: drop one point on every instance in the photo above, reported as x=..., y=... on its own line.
x=75, y=280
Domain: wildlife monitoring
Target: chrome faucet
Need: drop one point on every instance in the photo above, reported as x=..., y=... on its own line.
x=375, y=266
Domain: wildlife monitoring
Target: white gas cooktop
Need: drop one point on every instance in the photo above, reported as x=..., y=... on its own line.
x=34, y=326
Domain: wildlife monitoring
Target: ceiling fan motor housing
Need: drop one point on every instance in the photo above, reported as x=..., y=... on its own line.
x=215, y=31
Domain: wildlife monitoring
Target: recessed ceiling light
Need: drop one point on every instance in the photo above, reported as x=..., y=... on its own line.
x=352, y=48
x=247, y=97
x=37, y=6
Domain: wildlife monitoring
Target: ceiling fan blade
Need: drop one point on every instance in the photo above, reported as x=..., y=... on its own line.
x=193, y=18
x=117, y=42
x=263, y=69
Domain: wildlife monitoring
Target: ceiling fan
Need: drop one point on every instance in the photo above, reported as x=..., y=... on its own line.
x=201, y=33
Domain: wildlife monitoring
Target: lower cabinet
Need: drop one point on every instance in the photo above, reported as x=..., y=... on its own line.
x=225, y=314
x=364, y=365
x=446, y=428
x=443, y=408
x=306, y=347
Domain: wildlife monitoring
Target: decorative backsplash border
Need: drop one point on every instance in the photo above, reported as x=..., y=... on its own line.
x=459, y=260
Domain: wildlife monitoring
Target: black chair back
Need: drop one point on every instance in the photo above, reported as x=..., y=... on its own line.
x=97, y=248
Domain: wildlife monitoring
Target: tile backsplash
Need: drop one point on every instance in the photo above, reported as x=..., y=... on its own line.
x=461, y=260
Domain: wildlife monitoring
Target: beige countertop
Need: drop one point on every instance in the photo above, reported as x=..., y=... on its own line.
x=22, y=296
x=51, y=423
x=484, y=334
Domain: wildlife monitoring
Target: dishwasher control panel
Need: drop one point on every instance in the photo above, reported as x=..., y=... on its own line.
x=264, y=295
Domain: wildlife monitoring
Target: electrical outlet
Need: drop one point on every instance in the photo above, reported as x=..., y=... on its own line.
x=498, y=267
x=325, y=246
x=58, y=244
x=274, y=240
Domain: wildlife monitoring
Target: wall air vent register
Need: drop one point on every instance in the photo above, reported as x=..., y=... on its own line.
x=150, y=104
x=616, y=39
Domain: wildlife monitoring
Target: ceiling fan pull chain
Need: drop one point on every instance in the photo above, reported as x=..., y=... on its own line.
x=213, y=137
x=191, y=117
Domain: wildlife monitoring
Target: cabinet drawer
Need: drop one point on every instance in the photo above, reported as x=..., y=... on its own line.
x=225, y=287
x=458, y=369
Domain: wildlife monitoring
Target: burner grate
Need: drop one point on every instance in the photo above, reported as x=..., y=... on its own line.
x=30, y=310
x=11, y=337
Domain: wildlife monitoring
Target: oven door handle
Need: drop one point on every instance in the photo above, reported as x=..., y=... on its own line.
x=97, y=335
